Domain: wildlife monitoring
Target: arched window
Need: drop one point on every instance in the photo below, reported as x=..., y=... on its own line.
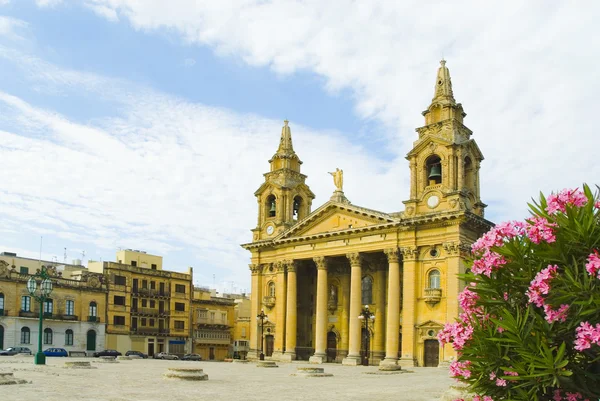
x=69, y=337
x=93, y=309
x=468, y=179
x=271, y=289
x=48, y=336
x=1, y=304
x=25, y=335
x=297, y=208
x=367, y=290
x=434, y=279
x=271, y=206
x=433, y=167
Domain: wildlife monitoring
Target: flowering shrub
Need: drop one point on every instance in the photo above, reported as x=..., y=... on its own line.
x=530, y=326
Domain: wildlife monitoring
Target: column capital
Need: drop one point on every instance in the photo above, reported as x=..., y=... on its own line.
x=279, y=266
x=409, y=252
x=393, y=255
x=290, y=265
x=354, y=258
x=254, y=268
x=321, y=262
x=456, y=248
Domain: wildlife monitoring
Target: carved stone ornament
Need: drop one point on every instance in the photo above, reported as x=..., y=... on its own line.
x=453, y=203
x=410, y=210
x=280, y=266
x=409, y=252
x=254, y=268
x=3, y=268
x=392, y=254
x=94, y=281
x=354, y=258
x=290, y=265
x=321, y=262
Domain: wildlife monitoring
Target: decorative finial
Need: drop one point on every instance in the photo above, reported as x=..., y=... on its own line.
x=443, y=62
x=286, y=122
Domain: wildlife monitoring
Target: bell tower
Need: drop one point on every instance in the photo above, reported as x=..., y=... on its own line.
x=284, y=198
x=444, y=161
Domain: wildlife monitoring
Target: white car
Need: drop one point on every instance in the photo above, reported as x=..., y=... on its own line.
x=165, y=355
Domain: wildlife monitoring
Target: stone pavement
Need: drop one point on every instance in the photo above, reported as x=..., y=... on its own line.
x=142, y=380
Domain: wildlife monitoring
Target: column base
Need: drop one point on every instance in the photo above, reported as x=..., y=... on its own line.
x=318, y=358
x=351, y=360
x=378, y=357
x=389, y=361
x=277, y=355
x=288, y=357
x=407, y=362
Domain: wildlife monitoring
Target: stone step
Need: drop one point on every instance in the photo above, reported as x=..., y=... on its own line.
x=266, y=364
x=186, y=374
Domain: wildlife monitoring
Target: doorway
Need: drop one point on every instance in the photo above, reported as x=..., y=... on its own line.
x=1, y=337
x=211, y=353
x=432, y=353
x=91, y=340
x=331, y=346
x=150, y=349
x=269, y=344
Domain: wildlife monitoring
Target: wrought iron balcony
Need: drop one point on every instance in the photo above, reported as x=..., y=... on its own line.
x=25, y=313
x=93, y=319
x=269, y=302
x=433, y=295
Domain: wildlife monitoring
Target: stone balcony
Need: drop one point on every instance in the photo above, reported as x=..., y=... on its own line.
x=269, y=302
x=433, y=295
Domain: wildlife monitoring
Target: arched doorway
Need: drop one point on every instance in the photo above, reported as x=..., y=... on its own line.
x=1, y=337
x=91, y=340
x=269, y=343
x=331, y=346
x=432, y=353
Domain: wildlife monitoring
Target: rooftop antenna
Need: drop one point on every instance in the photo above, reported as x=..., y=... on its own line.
x=82, y=256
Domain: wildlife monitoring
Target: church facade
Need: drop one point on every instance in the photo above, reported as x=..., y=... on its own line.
x=344, y=283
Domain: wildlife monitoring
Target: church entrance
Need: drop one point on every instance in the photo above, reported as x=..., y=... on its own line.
x=331, y=346
x=269, y=344
x=432, y=353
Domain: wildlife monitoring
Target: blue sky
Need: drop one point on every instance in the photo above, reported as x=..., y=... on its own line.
x=148, y=125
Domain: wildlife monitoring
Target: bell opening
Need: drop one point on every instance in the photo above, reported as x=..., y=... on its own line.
x=434, y=170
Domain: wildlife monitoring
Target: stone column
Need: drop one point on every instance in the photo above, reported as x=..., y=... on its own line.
x=255, y=309
x=461, y=171
x=409, y=305
x=291, y=313
x=320, y=355
x=279, y=311
x=393, y=309
x=413, y=178
x=379, y=329
x=353, y=357
x=345, y=293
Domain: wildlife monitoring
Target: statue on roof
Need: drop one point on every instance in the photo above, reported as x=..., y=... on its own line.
x=338, y=179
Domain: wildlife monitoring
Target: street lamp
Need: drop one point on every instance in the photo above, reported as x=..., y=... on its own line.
x=262, y=317
x=366, y=316
x=45, y=288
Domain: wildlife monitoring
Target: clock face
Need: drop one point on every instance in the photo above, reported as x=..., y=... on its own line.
x=270, y=230
x=433, y=201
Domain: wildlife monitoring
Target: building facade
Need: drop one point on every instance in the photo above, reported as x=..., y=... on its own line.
x=73, y=313
x=313, y=272
x=148, y=308
x=241, y=330
x=213, y=322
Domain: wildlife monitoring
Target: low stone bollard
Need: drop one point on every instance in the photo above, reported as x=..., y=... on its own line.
x=7, y=378
x=78, y=365
x=389, y=368
x=266, y=364
x=185, y=374
x=124, y=358
x=240, y=361
x=311, y=372
x=108, y=359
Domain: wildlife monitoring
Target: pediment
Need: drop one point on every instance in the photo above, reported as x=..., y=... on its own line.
x=428, y=141
x=333, y=217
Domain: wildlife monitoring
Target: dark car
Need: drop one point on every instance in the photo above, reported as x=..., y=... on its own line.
x=107, y=352
x=138, y=353
x=191, y=357
x=56, y=352
x=15, y=350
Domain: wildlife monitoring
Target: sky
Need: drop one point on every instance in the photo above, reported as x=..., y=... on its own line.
x=148, y=124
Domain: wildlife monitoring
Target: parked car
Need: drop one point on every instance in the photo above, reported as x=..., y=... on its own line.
x=15, y=350
x=191, y=357
x=107, y=352
x=138, y=353
x=166, y=355
x=56, y=352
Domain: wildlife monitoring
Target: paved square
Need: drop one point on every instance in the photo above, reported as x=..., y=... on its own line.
x=142, y=380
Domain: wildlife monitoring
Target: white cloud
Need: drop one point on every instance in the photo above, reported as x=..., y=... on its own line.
x=165, y=175
x=4, y=2
x=189, y=62
x=11, y=27
x=48, y=3
x=527, y=77
x=103, y=11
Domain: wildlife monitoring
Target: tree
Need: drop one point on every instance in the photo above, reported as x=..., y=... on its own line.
x=530, y=327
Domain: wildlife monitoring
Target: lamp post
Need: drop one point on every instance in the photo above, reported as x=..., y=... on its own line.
x=40, y=293
x=366, y=316
x=262, y=317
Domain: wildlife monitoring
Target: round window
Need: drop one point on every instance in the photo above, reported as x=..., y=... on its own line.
x=431, y=333
x=434, y=252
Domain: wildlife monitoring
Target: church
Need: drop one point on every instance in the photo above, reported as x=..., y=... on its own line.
x=347, y=284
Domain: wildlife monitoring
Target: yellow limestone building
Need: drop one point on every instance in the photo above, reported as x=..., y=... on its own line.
x=313, y=271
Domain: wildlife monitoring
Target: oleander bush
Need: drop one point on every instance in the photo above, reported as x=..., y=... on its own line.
x=530, y=327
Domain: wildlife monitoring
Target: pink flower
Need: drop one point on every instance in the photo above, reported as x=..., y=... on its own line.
x=500, y=382
x=597, y=205
x=487, y=263
x=540, y=285
x=586, y=335
x=493, y=376
x=558, y=202
x=458, y=334
x=573, y=396
x=468, y=301
x=460, y=369
x=506, y=296
x=484, y=398
x=510, y=373
x=498, y=235
x=557, y=396
x=552, y=315
x=540, y=229
x=593, y=265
